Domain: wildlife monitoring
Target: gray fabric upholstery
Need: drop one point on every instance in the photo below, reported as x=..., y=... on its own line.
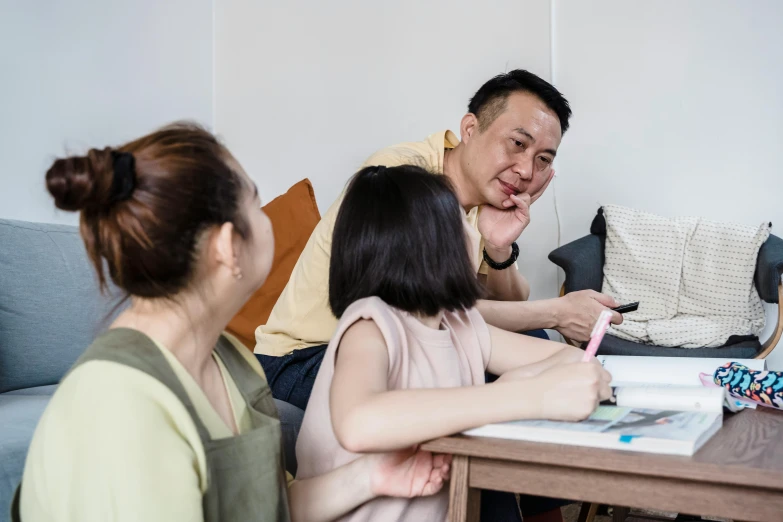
x=50, y=307
x=611, y=345
x=769, y=267
x=19, y=414
x=290, y=422
x=50, y=311
x=582, y=261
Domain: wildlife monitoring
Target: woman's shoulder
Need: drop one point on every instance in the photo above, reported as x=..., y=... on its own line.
x=112, y=391
x=122, y=428
x=101, y=401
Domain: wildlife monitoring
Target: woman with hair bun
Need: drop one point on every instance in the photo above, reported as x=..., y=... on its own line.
x=165, y=417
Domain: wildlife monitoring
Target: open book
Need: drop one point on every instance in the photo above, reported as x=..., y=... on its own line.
x=671, y=383
x=662, y=407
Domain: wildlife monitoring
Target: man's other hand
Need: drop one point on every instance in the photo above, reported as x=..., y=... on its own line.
x=576, y=313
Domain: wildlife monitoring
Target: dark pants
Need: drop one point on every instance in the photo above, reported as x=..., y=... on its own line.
x=292, y=376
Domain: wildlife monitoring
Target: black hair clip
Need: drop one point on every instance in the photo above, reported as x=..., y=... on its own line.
x=124, y=176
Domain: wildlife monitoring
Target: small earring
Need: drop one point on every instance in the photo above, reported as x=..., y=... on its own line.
x=237, y=270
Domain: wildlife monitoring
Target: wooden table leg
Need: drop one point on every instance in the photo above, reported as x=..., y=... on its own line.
x=464, y=501
x=588, y=512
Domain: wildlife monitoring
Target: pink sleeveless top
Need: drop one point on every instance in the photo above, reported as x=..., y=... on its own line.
x=419, y=357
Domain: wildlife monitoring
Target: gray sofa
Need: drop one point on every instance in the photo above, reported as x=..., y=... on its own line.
x=50, y=310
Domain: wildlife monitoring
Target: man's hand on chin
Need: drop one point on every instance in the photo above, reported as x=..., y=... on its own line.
x=501, y=227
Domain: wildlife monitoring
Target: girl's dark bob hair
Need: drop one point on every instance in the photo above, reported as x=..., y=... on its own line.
x=400, y=236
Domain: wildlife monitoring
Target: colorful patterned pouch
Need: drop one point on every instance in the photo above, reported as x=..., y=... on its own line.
x=760, y=387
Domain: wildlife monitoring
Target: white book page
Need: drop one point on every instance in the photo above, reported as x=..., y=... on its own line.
x=679, y=398
x=630, y=371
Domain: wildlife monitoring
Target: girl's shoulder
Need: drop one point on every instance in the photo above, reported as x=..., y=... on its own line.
x=386, y=318
x=369, y=305
x=470, y=318
x=470, y=328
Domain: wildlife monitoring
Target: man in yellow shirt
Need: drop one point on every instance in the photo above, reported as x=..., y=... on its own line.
x=503, y=164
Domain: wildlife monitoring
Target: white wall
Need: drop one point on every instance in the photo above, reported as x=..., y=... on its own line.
x=677, y=106
x=93, y=73
x=311, y=89
x=677, y=110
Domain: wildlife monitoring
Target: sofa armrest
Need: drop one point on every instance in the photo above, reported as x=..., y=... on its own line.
x=769, y=267
x=583, y=263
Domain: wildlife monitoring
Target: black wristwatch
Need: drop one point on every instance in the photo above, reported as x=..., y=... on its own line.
x=494, y=265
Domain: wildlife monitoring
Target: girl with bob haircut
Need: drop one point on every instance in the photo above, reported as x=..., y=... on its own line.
x=408, y=360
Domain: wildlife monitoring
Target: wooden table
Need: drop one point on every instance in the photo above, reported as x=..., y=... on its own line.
x=738, y=474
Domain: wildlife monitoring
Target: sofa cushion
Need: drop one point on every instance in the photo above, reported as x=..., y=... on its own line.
x=20, y=414
x=50, y=307
x=294, y=215
x=49, y=389
x=743, y=348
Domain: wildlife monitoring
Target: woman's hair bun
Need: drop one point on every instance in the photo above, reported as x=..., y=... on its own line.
x=82, y=182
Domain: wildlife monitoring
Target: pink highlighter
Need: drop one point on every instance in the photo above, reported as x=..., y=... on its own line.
x=599, y=330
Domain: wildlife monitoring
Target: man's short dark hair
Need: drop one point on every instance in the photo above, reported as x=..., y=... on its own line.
x=489, y=102
x=399, y=235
